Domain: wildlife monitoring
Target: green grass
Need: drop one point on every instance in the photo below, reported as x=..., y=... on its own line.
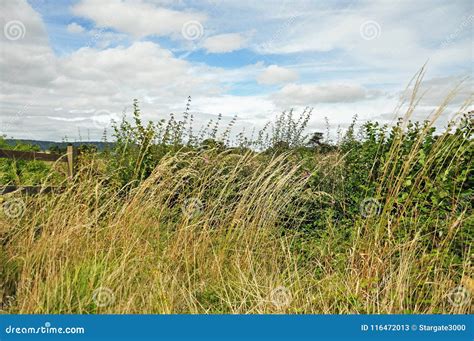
x=171, y=222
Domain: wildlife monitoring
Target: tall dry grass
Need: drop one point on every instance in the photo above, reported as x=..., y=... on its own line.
x=202, y=235
x=208, y=232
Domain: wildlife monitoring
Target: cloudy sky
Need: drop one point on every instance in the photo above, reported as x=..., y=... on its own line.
x=70, y=66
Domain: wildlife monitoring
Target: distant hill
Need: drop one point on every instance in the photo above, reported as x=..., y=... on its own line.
x=46, y=145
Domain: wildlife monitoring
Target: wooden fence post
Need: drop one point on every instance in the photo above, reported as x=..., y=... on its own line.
x=71, y=160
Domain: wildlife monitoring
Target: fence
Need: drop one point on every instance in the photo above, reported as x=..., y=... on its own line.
x=69, y=157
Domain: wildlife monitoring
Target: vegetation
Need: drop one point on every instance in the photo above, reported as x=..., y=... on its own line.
x=175, y=221
x=18, y=172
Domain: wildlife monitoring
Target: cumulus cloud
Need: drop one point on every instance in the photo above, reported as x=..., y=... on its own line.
x=91, y=80
x=45, y=96
x=75, y=28
x=76, y=88
x=138, y=18
x=311, y=94
x=275, y=74
x=26, y=57
x=223, y=43
x=123, y=55
x=436, y=90
x=370, y=33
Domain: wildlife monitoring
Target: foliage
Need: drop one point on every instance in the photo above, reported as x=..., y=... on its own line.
x=16, y=172
x=173, y=220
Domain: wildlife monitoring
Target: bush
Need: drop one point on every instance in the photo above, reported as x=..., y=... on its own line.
x=169, y=221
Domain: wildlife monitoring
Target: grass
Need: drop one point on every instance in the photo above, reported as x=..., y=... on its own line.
x=360, y=228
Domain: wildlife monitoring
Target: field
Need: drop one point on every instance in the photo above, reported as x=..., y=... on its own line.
x=171, y=220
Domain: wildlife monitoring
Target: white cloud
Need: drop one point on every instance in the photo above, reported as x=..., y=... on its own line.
x=403, y=40
x=252, y=109
x=52, y=96
x=143, y=63
x=136, y=17
x=223, y=43
x=29, y=59
x=35, y=82
x=275, y=74
x=75, y=28
x=310, y=94
x=435, y=90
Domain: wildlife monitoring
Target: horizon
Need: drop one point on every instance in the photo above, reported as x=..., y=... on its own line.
x=75, y=65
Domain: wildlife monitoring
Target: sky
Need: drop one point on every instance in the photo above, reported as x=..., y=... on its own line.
x=68, y=67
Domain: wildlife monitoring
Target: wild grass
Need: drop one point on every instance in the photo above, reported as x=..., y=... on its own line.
x=361, y=228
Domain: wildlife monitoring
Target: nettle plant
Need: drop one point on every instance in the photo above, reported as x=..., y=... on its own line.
x=287, y=132
x=139, y=147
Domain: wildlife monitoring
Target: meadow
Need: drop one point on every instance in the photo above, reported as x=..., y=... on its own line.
x=172, y=220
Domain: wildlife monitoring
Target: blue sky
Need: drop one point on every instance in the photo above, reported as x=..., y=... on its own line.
x=70, y=66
